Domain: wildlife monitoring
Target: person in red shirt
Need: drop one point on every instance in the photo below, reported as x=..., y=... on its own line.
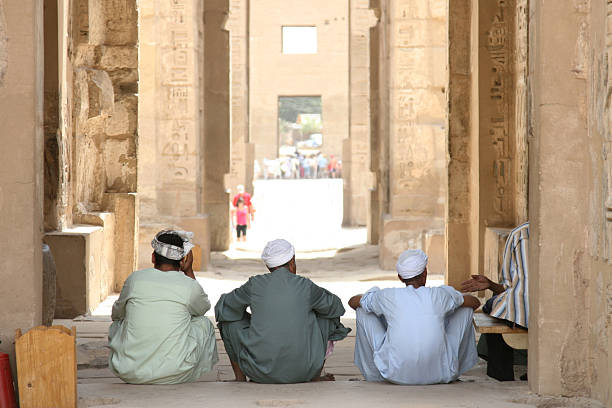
x=242, y=220
x=246, y=198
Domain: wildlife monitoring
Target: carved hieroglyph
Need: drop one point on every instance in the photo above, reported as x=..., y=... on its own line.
x=498, y=123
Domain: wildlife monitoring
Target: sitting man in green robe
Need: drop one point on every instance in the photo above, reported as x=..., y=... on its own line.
x=159, y=333
x=292, y=324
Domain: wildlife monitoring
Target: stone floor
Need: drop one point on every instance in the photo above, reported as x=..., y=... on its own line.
x=98, y=387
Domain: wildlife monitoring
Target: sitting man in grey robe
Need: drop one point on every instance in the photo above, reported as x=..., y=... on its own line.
x=292, y=324
x=416, y=334
x=159, y=333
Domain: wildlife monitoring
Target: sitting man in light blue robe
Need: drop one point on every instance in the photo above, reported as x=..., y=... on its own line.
x=159, y=333
x=292, y=324
x=416, y=334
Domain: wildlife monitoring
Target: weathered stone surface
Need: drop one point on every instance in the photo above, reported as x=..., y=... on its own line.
x=171, y=151
x=3, y=44
x=113, y=22
x=273, y=74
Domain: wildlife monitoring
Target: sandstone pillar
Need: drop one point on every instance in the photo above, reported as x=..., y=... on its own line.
x=170, y=151
x=417, y=159
x=21, y=170
x=217, y=123
x=459, y=215
x=379, y=119
x=570, y=284
x=356, y=148
x=242, y=152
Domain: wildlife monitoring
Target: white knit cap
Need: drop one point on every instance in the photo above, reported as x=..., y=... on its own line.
x=277, y=252
x=411, y=263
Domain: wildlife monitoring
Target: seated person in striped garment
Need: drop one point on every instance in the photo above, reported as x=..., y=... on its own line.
x=510, y=302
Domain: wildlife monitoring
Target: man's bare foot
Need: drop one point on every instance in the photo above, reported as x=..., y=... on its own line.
x=326, y=377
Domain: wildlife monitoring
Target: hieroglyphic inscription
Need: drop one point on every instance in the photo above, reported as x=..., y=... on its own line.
x=177, y=131
x=499, y=121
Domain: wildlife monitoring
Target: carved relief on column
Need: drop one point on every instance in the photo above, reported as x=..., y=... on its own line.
x=170, y=164
x=496, y=115
x=177, y=113
x=521, y=39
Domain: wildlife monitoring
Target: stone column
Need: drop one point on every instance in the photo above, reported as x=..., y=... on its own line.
x=417, y=165
x=217, y=122
x=21, y=167
x=459, y=215
x=242, y=152
x=356, y=148
x=570, y=284
x=170, y=165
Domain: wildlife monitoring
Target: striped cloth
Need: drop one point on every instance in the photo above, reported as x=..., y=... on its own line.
x=513, y=304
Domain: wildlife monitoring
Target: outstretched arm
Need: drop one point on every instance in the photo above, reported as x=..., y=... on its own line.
x=481, y=282
x=355, y=301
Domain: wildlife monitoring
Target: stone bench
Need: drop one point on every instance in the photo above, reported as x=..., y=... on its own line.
x=515, y=337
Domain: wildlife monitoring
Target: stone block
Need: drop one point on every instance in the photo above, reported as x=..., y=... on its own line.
x=494, y=243
x=112, y=58
x=113, y=22
x=400, y=234
x=84, y=276
x=125, y=209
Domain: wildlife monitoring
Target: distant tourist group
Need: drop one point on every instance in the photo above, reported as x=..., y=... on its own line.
x=409, y=335
x=299, y=166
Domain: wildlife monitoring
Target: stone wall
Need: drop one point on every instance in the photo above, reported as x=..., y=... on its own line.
x=91, y=82
x=171, y=153
x=21, y=168
x=273, y=74
x=569, y=199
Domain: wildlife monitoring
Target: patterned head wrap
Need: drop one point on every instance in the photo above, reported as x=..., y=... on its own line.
x=277, y=252
x=411, y=263
x=171, y=251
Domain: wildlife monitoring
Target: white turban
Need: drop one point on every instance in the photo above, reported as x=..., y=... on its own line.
x=277, y=252
x=411, y=263
x=171, y=251
x=240, y=188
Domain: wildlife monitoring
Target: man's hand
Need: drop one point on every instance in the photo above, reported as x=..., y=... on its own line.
x=471, y=301
x=478, y=282
x=187, y=265
x=355, y=301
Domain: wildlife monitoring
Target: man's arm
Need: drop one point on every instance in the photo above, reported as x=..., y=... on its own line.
x=324, y=303
x=355, y=301
x=118, y=311
x=470, y=301
x=186, y=265
x=481, y=282
x=231, y=306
